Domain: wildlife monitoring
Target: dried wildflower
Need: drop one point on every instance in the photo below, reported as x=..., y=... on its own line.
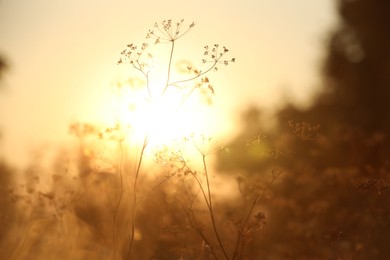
x=215, y=56
x=211, y=89
x=255, y=140
x=167, y=31
x=82, y=130
x=259, y=216
x=303, y=130
x=134, y=55
x=173, y=161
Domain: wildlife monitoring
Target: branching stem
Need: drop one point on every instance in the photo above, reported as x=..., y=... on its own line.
x=201, y=73
x=133, y=215
x=210, y=206
x=118, y=202
x=169, y=67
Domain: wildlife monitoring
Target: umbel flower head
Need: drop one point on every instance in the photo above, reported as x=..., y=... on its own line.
x=166, y=31
x=169, y=31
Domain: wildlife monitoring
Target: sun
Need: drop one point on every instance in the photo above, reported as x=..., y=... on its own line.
x=161, y=118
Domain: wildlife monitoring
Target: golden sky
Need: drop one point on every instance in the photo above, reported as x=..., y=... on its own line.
x=63, y=55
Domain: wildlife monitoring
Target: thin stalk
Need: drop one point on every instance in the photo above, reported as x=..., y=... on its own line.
x=169, y=68
x=240, y=234
x=146, y=75
x=116, y=208
x=147, y=85
x=211, y=208
x=135, y=197
x=194, y=77
x=202, y=190
x=154, y=188
x=198, y=230
x=246, y=219
x=59, y=215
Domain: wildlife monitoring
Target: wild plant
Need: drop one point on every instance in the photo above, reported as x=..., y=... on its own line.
x=98, y=204
x=127, y=184
x=226, y=231
x=167, y=32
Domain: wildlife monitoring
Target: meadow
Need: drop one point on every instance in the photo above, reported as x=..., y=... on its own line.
x=153, y=186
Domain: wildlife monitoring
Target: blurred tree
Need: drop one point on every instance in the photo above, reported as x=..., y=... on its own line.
x=6, y=185
x=357, y=68
x=333, y=200
x=7, y=195
x=3, y=66
x=355, y=102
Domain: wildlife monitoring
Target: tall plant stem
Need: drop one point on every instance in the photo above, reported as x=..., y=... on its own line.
x=118, y=202
x=169, y=68
x=195, y=226
x=242, y=229
x=133, y=215
x=210, y=206
x=237, y=253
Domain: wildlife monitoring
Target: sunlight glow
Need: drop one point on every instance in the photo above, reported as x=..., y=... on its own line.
x=160, y=118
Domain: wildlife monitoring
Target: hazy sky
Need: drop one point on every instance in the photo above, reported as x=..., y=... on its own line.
x=63, y=54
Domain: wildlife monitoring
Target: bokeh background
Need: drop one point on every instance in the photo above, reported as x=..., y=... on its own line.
x=302, y=119
x=62, y=59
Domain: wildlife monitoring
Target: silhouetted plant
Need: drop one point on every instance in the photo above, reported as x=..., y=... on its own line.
x=168, y=32
x=125, y=188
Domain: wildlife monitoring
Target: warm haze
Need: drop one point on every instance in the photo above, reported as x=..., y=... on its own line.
x=194, y=130
x=63, y=55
